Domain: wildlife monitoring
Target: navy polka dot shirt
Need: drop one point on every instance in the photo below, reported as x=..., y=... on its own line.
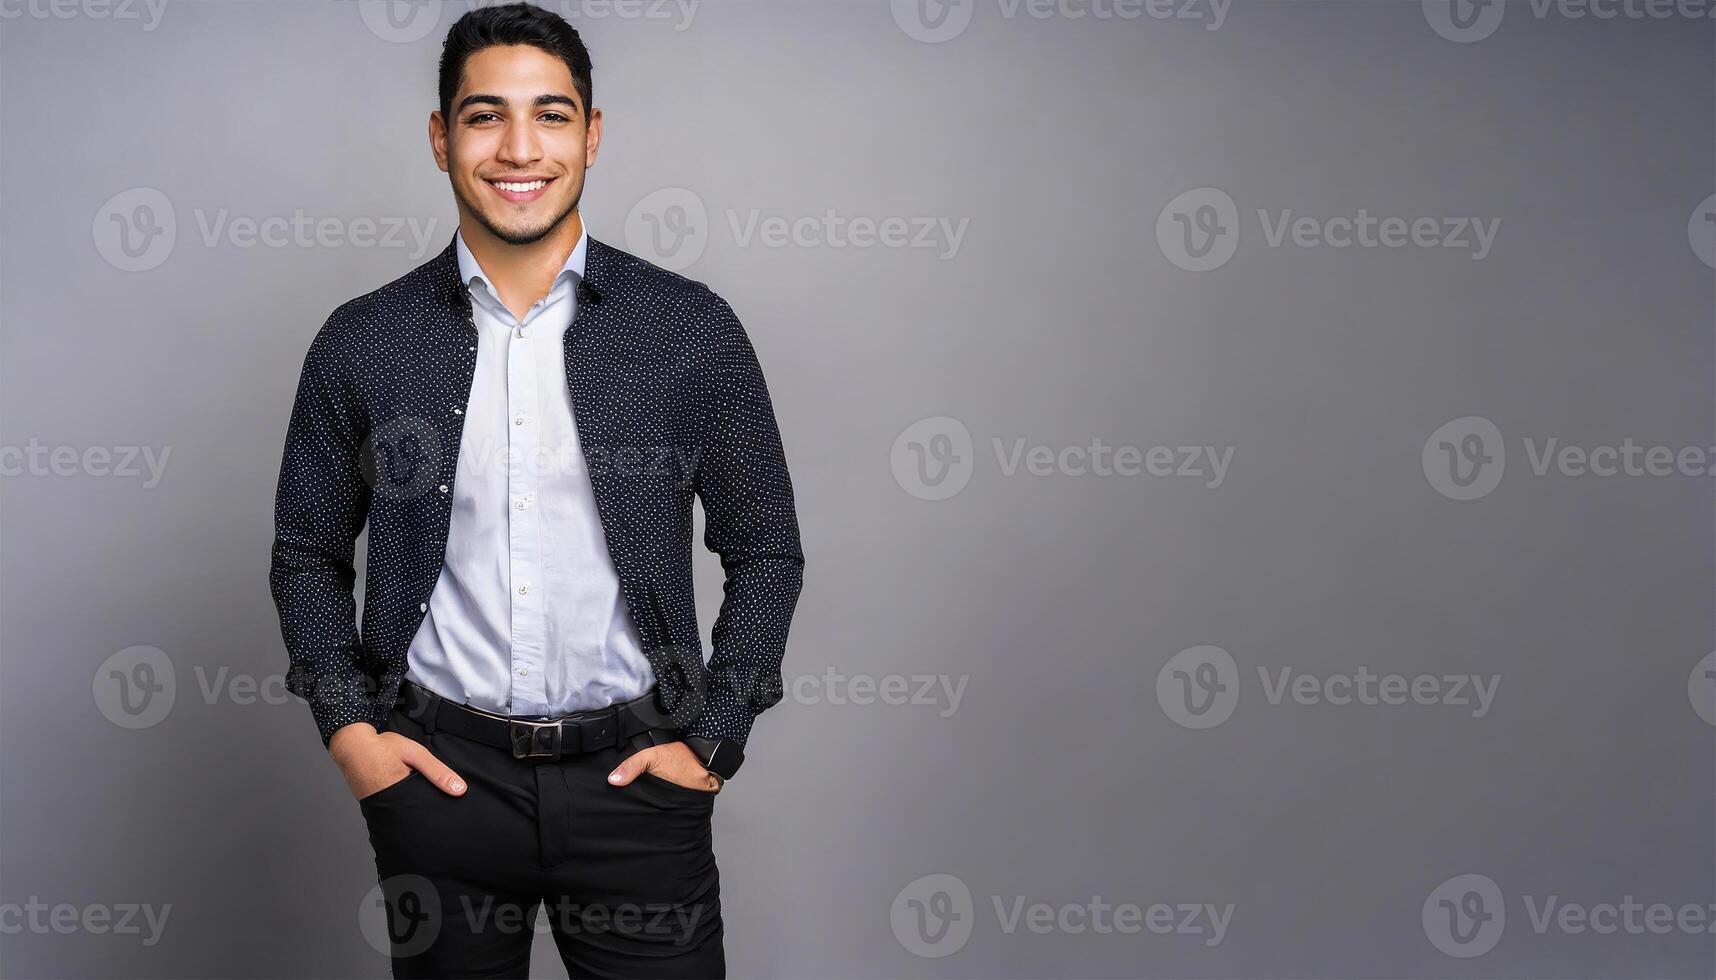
x=670, y=403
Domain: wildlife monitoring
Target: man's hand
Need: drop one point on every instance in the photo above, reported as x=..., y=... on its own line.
x=672, y=761
x=372, y=761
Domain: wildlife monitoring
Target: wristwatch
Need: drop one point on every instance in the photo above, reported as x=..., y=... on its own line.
x=718, y=755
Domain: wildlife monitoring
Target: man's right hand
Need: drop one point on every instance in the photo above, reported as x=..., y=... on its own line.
x=371, y=761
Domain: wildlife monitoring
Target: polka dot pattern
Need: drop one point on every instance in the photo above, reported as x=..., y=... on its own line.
x=670, y=404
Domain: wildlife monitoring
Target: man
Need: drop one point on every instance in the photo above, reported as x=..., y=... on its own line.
x=523, y=422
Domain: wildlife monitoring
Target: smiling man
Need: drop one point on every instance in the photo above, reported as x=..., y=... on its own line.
x=526, y=717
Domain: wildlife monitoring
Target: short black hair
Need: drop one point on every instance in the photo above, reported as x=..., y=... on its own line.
x=513, y=23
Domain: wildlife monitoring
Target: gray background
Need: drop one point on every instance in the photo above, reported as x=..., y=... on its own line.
x=1058, y=599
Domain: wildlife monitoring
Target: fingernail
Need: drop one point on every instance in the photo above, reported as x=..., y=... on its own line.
x=614, y=777
x=457, y=785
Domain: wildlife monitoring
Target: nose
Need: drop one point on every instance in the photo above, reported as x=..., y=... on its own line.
x=520, y=145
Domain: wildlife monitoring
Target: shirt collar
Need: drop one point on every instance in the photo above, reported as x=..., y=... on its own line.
x=470, y=272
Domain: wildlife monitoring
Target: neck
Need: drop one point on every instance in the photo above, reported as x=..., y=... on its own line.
x=522, y=273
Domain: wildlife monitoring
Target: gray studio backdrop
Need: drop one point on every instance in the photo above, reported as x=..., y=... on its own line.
x=1254, y=462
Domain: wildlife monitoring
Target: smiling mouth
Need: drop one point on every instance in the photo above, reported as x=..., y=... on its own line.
x=521, y=190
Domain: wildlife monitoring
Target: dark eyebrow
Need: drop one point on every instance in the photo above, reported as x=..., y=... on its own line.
x=501, y=103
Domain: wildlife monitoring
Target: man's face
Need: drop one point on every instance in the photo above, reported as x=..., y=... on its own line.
x=516, y=146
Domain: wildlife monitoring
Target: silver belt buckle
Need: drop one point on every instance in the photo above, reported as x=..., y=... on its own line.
x=534, y=739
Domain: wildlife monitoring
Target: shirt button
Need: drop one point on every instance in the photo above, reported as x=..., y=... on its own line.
x=422, y=607
x=518, y=420
x=522, y=671
x=458, y=411
x=443, y=488
x=521, y=503
x=524, y=588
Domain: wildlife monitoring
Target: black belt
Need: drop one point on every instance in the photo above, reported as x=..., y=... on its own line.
x=535, y=738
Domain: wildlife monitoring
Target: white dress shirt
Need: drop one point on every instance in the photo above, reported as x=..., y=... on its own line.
x=527, y=617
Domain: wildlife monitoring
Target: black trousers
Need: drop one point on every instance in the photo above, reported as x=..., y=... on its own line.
x=627, y=873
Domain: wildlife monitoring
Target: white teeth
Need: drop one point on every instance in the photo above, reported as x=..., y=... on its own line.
x=521, y=188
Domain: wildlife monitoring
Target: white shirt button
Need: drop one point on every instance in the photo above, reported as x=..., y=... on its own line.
x=458, y=411
x=522, y=671
x=518, y=420
x=422, y=607
x=524, y=588
x=443, y=488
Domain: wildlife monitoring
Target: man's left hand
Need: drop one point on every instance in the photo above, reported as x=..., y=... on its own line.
x=672, y=761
